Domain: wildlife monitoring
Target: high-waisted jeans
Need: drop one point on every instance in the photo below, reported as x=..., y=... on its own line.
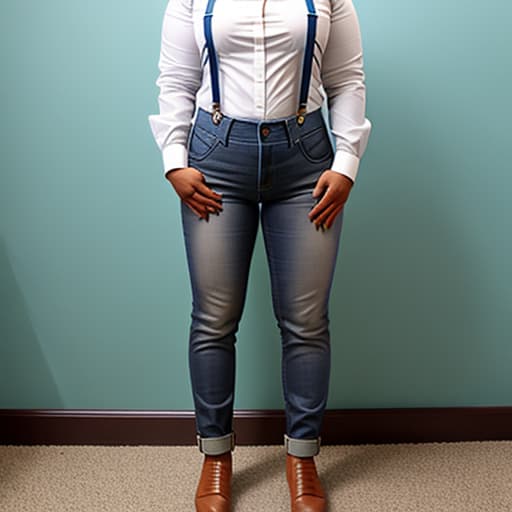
x=266, y=172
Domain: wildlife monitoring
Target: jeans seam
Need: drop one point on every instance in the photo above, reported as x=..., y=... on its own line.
x=275, y=292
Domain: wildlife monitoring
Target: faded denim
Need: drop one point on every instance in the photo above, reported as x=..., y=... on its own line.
x=266, y=172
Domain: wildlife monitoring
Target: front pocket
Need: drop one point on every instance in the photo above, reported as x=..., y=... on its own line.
x=202, y=143
x=316, y=145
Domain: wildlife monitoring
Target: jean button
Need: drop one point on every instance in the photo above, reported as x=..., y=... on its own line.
x=265, y=130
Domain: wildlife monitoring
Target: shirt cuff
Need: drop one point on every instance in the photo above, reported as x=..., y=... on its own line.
x=346, y=163
x=174, y=156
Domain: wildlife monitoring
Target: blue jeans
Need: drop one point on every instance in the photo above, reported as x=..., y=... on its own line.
x=266, y=172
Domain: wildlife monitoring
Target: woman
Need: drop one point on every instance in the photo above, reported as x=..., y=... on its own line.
x=244, y=141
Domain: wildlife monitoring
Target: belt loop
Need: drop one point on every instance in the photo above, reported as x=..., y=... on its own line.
x=288, y=132
x=291, y=128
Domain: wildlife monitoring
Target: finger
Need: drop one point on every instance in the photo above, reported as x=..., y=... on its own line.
x=213, y=210
x=207, y=191
x=197, y=212
x=201, y=208
x=320, y=186
x=322, y=217
x=329, y=221
x=326, y=200
x=197, y=196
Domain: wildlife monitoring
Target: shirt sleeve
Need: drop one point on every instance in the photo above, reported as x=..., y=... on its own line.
x=343, y=79
x=179, y=79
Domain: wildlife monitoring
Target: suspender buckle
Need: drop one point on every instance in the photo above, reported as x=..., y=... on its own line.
x=216, y=114
x=301, y=115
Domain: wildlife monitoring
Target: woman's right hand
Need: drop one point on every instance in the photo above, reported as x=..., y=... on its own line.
x=189, y=184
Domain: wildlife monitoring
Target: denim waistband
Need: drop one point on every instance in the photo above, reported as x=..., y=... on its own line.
x=253, y=130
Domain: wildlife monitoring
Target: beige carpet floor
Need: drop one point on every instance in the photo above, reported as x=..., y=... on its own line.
x=426, y=477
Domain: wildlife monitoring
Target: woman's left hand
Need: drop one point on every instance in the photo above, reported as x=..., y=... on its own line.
x=335, y=188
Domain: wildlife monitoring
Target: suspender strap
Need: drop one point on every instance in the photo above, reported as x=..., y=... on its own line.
x=306, y=66
x=214, y=68
x=308, y=60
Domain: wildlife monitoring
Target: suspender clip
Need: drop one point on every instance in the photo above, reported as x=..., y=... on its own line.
x=216, y=114
x=301, y=115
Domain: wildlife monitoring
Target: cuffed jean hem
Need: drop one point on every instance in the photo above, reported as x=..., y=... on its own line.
x=302, y=447
x=216, y=445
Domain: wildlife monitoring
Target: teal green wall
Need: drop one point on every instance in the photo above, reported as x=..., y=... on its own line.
x=94, y=294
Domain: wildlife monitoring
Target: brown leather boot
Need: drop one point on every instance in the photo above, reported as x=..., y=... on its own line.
x=213, y=492
x=306, y=492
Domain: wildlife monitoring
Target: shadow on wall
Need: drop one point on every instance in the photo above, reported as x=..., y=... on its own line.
x=406, y=302
x=25, y=376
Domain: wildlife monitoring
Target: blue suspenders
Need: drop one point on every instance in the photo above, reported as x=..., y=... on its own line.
x=308, y=60
x=306, y=66
x=214, y=68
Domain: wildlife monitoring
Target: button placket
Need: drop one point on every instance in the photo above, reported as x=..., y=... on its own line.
x=259, y=63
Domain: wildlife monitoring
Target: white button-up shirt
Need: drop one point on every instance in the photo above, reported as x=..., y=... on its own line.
x=260, y=49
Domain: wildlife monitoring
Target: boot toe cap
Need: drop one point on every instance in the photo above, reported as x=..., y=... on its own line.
x=212, y=503
x=307, y=503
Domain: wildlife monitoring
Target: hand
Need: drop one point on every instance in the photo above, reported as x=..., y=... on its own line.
x=335, y=188
x=189, y=184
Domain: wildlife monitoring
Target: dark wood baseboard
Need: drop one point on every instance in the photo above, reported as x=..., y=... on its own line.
x=253, y=427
